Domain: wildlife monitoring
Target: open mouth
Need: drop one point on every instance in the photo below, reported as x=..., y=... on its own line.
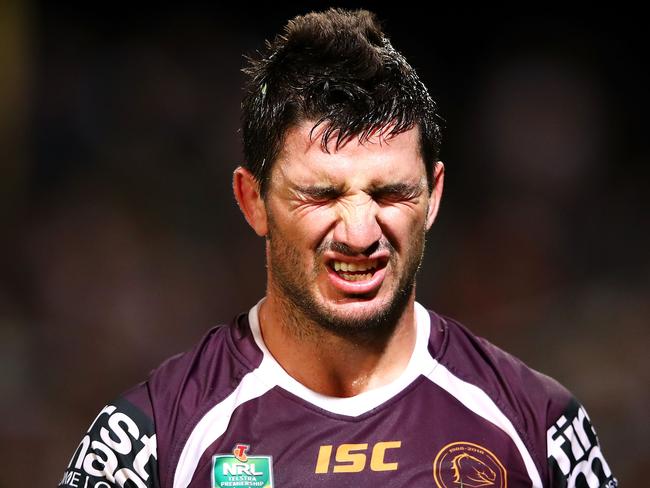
x=357, y=271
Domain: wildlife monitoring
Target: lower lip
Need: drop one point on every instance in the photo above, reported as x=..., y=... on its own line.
x=357, y=287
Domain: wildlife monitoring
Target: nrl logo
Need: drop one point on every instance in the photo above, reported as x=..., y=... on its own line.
x=468, y=465
x=241, y=469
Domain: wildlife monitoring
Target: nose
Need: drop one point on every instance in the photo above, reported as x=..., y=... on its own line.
x=357, y=227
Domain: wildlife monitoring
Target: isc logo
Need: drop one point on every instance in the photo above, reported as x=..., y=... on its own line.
x=352, y=458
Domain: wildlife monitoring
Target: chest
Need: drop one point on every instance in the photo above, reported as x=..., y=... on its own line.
x=422, y=438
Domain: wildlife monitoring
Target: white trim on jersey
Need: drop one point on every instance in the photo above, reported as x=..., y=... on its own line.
x=212, y=426
x=270, y=374
x=419, y=364
x=482, y=405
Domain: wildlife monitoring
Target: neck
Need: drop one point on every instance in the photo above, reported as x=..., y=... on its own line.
x=331, y=363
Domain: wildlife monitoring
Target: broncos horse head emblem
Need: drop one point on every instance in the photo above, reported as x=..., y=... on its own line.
x=471, y=472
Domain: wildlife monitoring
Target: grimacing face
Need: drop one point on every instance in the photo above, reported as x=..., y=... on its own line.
x=346, y=229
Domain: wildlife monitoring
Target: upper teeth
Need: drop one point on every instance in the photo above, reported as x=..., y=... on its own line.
x=341, y=266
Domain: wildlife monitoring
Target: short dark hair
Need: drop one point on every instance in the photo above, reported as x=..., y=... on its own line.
x=337, y=68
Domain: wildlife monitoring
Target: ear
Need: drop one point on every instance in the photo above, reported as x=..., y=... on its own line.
x=436, y=192
x=247, y=193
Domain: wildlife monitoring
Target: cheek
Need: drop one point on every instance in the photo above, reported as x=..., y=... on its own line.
x=401, y=225
x=312, y=228
x=296, y=239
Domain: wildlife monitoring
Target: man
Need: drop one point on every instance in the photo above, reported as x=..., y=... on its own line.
x=338, y=377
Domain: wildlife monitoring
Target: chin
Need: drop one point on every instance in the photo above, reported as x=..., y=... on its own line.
x=354, y=315
x=357, y=307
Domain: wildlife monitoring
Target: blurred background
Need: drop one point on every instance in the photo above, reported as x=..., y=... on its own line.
x=122, y=244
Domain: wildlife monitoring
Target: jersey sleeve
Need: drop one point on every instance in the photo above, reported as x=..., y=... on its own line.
x=574, y=455
x=119, y=448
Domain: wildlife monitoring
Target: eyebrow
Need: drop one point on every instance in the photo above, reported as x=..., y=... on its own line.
x=404, y=189
x=329, y=192
x=319, y=192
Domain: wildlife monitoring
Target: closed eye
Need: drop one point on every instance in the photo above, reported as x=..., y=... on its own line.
x=398, y=192
x=318, y=194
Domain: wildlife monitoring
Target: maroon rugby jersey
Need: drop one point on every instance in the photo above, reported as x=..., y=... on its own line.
x=463, y=414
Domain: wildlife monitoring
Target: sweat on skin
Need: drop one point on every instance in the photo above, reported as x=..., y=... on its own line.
x=363, y=208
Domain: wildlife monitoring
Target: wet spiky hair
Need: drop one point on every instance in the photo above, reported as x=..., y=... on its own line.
x=338, y=69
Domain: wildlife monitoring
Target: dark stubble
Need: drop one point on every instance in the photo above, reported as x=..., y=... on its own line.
x=303, y=312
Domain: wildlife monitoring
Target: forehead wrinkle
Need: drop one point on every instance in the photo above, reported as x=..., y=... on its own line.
x=314, y=163
x=317, y=177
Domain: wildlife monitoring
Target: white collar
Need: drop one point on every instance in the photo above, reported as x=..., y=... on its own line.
x=421, y=363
